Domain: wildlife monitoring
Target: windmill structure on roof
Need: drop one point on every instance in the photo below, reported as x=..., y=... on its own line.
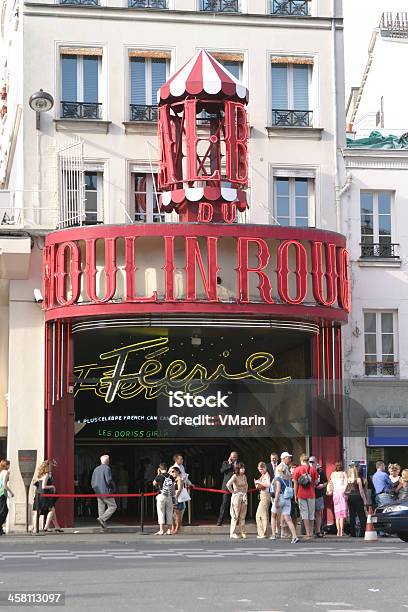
x=203, y=132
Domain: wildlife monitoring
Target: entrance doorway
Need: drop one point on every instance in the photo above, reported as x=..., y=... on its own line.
x=134, y=465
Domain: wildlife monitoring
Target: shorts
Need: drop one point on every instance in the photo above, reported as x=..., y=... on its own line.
x=319, y=505
x=307, y=509
x=180, y=506
x=284, y=506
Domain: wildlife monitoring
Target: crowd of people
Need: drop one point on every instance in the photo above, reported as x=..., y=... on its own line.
x=286, y=492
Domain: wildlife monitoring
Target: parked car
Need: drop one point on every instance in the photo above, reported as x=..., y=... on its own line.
x=392, y=519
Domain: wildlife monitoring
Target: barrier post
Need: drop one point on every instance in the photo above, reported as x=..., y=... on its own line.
x=142, y=512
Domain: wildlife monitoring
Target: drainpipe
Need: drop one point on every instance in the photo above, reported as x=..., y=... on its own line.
x=338, y=191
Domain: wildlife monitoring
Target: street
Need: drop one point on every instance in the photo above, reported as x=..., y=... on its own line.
x=202, y=573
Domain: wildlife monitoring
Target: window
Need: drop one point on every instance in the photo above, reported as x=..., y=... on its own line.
x=290, y=95
x=235, y=68
x=147, y=75
x=80, y=76
x=93, y=198
x=376, y=224
x=292, y=201
x=146, y=208
x=379, y=343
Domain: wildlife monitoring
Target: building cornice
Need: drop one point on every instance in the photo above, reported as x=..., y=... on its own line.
x=384, y=159
x=41, y=9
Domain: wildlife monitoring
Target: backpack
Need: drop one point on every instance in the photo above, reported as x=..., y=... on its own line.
x=305, y=480
x=167, y=486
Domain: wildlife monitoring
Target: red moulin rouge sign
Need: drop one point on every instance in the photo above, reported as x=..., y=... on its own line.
x=271, y=269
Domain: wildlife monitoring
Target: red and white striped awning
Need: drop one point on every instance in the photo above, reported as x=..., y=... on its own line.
x=202, y=75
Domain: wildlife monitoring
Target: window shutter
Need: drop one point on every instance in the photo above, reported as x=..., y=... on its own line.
x=159, y=74
x=301, y=88
x=279, y=87
x=91, y=70
x=69, y=78
x=137, y=80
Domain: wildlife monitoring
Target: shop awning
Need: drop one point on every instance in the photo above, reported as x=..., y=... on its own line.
x=387, y=435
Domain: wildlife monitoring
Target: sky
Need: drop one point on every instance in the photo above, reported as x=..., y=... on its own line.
x=360, y=19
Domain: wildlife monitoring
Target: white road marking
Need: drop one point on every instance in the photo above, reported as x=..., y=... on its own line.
x=332, y=603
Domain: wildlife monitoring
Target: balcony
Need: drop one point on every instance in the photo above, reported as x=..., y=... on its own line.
x=297, y=8
x=379, y=250
x=79, y=2
x=143, y=112
x=292, y=118
x=81, y=110
x=148, y=4
x=381, y=368
x=220, y=6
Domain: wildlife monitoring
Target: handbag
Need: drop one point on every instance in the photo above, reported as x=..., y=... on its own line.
x=184, y=496
x=288, y=492
x=330, y=488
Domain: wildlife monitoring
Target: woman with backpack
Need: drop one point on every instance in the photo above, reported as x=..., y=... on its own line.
x=164, y=500
x=337, y=487
x=357, y=501
x=282, y=504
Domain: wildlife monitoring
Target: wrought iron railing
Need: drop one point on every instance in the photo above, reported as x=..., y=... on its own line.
x=81, y=110
x=379, y=250
x=220, y=6
x=143, y=112
x=148, y=4
x=299, y=8
x=381, y=368
x=80, y=2
x=292, y=118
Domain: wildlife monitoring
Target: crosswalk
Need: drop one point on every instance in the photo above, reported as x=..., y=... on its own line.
x=129, y=553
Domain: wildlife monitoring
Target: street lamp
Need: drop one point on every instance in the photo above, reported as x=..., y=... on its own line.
x=40, y=102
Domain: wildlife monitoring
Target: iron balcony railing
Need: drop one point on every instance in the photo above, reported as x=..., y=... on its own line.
x=220, y=6
x=81, y=110
x=143, y=112
x=381, y=368
x=299, y=8
x=80, y=2
x=148, y=4
x=372, y=250
x=292, y=118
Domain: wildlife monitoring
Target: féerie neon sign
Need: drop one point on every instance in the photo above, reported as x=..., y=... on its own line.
x=111, y=381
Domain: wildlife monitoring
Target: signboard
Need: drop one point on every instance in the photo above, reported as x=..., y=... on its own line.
x=27, y=461
x=219, y=267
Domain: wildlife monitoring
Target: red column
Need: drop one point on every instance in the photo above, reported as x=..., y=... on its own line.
x=59, y=410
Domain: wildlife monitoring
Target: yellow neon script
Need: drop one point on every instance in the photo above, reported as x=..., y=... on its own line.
x=111, y=381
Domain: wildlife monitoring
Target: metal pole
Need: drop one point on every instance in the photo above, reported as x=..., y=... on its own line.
x=27, y=490
x=142, y=512
x=189, y=509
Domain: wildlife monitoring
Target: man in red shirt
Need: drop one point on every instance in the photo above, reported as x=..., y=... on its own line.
x=305, y=477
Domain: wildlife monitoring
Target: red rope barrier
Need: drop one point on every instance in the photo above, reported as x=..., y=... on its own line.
x=70, y=495
x=152, y=494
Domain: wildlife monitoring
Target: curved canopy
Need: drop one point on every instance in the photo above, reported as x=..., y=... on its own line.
x=202, y=76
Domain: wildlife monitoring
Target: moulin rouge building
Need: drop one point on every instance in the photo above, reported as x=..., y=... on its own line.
x=194, y=274
x=206, y=306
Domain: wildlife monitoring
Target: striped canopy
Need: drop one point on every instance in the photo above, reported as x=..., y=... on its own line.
x=202, y=76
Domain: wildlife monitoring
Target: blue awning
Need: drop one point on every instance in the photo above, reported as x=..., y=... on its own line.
x=387, y=435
